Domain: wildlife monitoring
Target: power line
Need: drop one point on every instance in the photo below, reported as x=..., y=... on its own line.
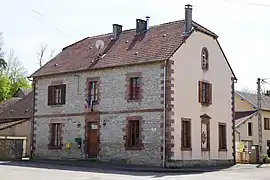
x=249, y=3
x=57, y=29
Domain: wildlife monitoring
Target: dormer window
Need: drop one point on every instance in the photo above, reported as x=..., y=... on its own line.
x=205, y=59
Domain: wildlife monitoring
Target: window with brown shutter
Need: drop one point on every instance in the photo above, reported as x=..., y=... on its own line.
x=222, y=137
x=93, y=91
x=205, y=93
x=134, y=93
x=186, y=134
x=133, y=140
x=266, y=124
x=55, y=135
x=57, y=94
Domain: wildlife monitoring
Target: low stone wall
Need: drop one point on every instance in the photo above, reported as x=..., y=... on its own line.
x=199, y=163
x=10, y=149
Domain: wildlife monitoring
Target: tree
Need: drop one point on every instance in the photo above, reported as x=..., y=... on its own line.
x=248, y=90
x=3, y=63
x=4, y=88
x=12, y=74
x=15, y=73
x=42, y=52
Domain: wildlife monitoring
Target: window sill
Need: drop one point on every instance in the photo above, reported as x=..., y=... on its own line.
x=56, y=105
x=54, y=147
x=205, y=104
x=222, y=150
x=186, y=149
x=207, y=149
x=134, y=100
x=134, y=148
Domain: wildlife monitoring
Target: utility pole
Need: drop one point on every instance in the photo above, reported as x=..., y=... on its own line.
x=259, y=117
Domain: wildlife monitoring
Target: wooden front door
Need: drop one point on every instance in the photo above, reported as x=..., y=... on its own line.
x=92, y=144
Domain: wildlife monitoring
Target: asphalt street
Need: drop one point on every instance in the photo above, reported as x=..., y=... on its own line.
x=57, y=172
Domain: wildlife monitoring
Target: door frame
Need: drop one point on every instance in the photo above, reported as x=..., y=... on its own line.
x=91, y=117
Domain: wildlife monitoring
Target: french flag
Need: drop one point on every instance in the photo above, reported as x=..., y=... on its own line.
x=89, y=103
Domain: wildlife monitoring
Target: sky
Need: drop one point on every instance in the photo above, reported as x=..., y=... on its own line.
x=243, y=27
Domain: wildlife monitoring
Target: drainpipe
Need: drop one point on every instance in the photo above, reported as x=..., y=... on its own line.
x=32, y=120
x=164, y=120
x=234, y=80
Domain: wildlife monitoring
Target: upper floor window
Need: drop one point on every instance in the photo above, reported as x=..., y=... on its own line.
x=205, y=93
x=205, y=59
x=134, y=88
x=93, y=91
x=57, y=94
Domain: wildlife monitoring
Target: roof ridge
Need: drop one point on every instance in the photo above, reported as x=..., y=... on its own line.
x=124, y=31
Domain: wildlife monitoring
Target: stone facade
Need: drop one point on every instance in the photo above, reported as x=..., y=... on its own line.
x=11, y=149
x=113, y=109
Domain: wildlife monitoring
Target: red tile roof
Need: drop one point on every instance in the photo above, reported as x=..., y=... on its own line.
x=159, y=43
x=22, y=109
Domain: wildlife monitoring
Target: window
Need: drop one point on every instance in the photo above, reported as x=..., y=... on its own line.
x=134, y=88
x=222, y=137
x=55, y=134
x=93, y=91
x=134, y=134
x=205, y=135
x=266, y=124
x=249, y=129
x=186, y=134
x=57, y=94
x=205, y=59
x=205, y=93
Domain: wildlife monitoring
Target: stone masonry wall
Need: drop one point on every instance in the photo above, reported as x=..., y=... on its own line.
x=113, y=108
x=112, y=142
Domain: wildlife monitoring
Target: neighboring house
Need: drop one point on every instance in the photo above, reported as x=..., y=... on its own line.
x=15, y=127
x=247, y=119
x=104, y=97
x=22, y=92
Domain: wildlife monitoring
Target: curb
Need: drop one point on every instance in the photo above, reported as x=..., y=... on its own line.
x=130, y=169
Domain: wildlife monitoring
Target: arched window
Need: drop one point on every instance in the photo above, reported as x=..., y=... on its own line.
x=205, y=59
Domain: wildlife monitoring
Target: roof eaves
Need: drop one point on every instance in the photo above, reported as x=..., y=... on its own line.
x=19, y=122
x=84, y=70
x=245, y=119
x=235, y=78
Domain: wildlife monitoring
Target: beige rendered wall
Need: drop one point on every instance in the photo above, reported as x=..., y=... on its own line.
x=19, y=130
x=243, y=130
x=187, y=73
x=241, y=104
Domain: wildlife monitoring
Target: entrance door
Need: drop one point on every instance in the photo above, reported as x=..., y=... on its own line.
x=92, y=139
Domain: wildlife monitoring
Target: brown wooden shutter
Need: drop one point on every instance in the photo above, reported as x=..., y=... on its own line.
x=200, y=91
x=210, y=93
x=182, y=134
x=63, y=97
x=50, y=95
x=51, y=134
x=188, y=134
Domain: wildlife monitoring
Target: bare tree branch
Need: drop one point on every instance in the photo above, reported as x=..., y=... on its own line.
x=40, y=54
x=52, y=53
x=14, y=69
x=248, y=90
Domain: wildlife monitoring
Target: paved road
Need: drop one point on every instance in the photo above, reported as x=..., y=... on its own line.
x=54, y=172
